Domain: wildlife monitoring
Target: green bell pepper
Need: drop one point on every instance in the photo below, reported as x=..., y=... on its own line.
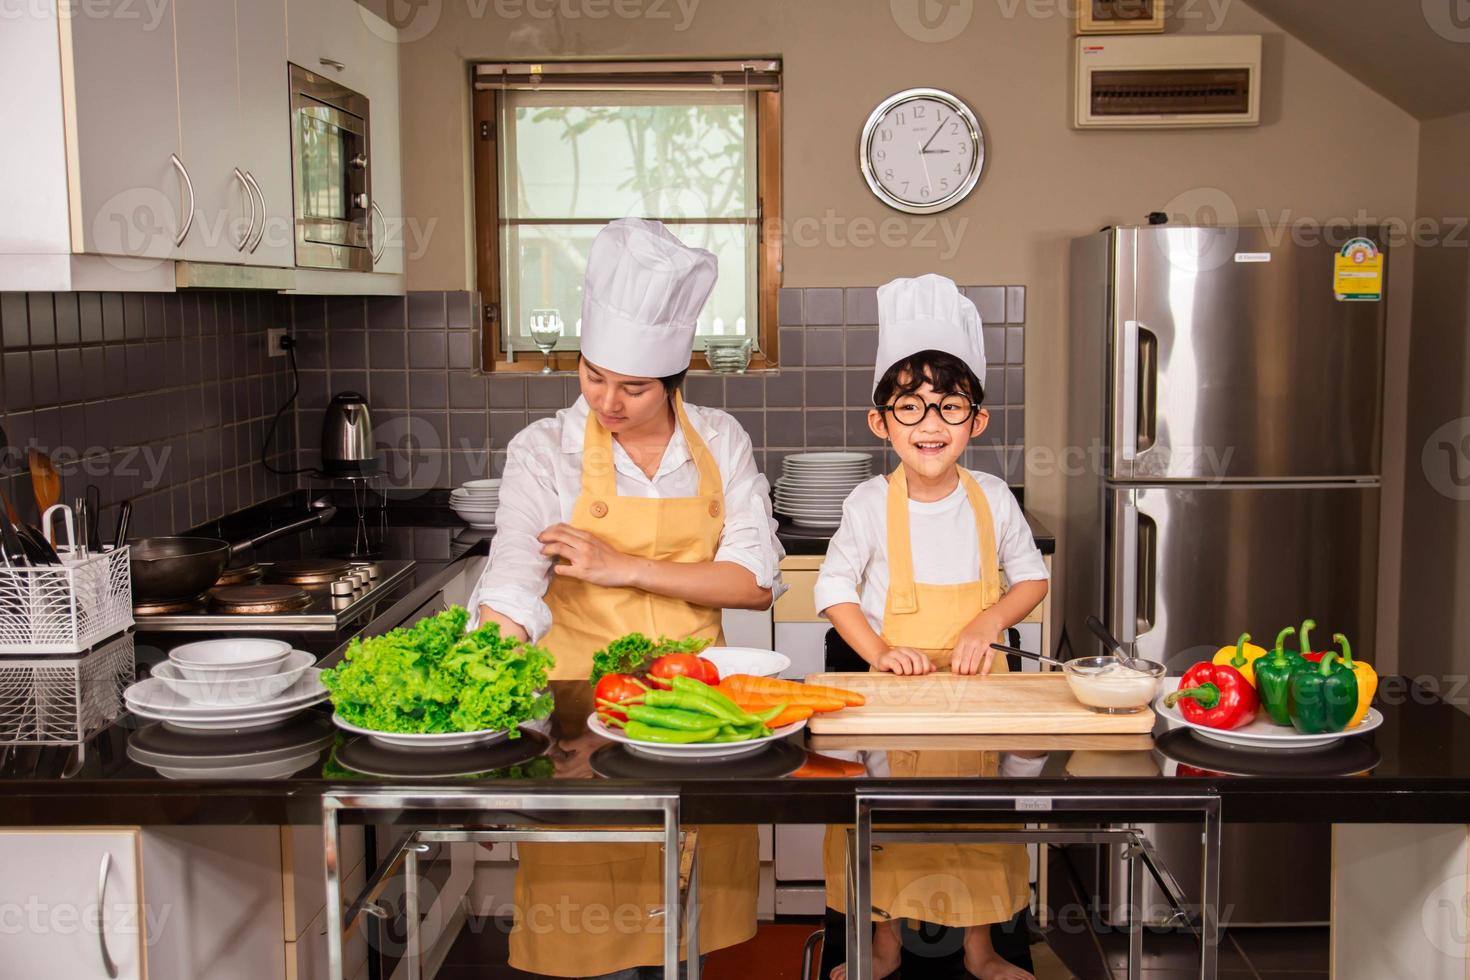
x=1323, y=696
x=1273, y=678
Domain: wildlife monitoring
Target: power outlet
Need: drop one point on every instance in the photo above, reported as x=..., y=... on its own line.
x=273, y=337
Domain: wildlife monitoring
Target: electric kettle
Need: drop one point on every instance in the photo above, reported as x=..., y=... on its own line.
x=347, y=437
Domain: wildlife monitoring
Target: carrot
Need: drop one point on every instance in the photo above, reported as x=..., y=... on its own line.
x=792, y=714
x=767, y=701
x=778, y=690
x=826, y=767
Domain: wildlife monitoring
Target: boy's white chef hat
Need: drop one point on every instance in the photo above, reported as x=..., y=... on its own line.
x=927, y=313
x=643, y=291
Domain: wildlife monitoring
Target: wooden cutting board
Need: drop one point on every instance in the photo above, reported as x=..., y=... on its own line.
x=948, y=704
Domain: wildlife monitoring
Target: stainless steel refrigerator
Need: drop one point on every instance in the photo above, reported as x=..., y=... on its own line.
x=1223, y=445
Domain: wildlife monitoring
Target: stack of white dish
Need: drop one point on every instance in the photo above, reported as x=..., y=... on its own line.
x=476, y=502
x=228, y=685
x=813, y=486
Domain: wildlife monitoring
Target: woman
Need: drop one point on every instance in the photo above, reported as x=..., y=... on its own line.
x=629, y=512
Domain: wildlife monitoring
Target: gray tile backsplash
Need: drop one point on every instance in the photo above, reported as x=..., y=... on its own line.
x=439, y=423
x=162, y=398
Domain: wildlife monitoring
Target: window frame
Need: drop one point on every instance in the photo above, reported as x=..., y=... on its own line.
x=485, y=137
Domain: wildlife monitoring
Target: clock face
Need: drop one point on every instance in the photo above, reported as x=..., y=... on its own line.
x=922, y=151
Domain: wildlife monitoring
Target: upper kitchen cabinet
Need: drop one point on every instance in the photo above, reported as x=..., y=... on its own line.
x=93, y=102
x=389, y=232
x=265, y=127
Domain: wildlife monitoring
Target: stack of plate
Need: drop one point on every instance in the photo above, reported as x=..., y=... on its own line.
x=476, y=502
x=228, y=685
x=813, y=486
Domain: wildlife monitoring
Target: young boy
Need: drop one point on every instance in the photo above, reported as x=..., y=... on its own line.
x=913, y=581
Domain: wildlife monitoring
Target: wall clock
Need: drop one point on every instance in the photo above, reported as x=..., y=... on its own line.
x=922, y=150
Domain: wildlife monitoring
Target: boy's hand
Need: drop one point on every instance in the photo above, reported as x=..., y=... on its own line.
x=972, y=653
x=904, y=660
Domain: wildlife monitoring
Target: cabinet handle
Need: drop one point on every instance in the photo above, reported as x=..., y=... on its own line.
x=378, y=253
x=255, y=184
x=332, y=63
x=188, y=186
x=245, y=238
x=107, y=963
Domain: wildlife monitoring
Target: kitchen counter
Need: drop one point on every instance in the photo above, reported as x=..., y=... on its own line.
x=1412, y=769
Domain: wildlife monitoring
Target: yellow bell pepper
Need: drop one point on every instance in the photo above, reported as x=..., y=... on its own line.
x=1242, y=657
x=1367, y=681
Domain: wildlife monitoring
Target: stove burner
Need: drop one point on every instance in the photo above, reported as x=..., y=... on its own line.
x=166, y=607
x=243, y=575
x=258, y=599
x=307, y=571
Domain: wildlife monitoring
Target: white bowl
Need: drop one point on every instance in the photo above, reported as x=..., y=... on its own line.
x=488, y=484
x=232, y=690
x=233, y=652
x=746, y=660
x=195, y=665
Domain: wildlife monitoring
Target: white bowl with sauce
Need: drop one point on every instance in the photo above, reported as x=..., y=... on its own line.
x=1107, y=686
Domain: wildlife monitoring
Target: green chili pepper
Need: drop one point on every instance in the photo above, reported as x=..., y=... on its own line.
x=672, y=718
x=699, y=689
x=766, y=716
x=1273, y=679
x=1323, y=697
x=641, y=732
x=687, y=702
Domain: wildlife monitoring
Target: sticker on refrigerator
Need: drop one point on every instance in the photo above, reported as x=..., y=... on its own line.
x=1252, y=256
x=1358, y=272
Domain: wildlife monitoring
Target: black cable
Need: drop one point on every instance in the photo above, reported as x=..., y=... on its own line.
x=288, y=344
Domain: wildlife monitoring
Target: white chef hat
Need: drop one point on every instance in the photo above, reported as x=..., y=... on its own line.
x=927, y=313
x=643, y=291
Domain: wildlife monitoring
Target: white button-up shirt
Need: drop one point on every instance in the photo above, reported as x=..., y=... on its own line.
x=944, y=540
x=543, y=478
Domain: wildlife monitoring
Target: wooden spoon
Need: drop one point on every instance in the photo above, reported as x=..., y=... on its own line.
x=45, y=481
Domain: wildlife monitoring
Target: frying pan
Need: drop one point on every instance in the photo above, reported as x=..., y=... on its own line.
x=166, y=569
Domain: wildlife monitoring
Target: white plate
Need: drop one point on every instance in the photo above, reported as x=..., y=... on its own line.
x=798, y=510
x=817, y=500
x=486, y=484
x=828, y=458
x=223, y=721
x=153, y=695
x=814, y=521
x=279, y=769
x=1263, y=732
x=232, y=691
x=689, y=753
x=439, y=740
x=746, y=660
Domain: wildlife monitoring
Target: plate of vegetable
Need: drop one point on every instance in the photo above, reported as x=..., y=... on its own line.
x=1286, y=700
x=432, y=685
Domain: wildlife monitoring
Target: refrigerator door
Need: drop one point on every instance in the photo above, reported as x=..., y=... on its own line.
x=1230, y=358
x=1190, y=567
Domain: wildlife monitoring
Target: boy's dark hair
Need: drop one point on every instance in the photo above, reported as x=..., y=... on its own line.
x=946, y=373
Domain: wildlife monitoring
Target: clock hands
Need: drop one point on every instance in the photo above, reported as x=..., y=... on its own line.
x=938, y=127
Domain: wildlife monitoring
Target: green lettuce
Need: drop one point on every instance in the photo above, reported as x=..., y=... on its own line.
x=628, y=654
x=433, y=677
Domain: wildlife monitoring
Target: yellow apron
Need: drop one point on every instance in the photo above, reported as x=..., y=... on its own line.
x=949, y=884
x=582, y=909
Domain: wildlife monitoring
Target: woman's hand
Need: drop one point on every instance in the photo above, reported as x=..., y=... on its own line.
x=904, y=660
x=972, y=653
x=587, y=557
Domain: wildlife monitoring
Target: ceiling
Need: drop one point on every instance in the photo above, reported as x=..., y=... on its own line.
x=1415, y=52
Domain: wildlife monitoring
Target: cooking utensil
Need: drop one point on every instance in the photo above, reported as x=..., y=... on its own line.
x=48, y=522
x=45, y=481
x=11, y=548
x=37, y=548
x=1041, y=657
x=1116, y=648
x=170, y=568
x=124, y=517
x=83, y=542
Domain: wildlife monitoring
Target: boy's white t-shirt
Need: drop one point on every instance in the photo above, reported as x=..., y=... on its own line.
x=945, y=540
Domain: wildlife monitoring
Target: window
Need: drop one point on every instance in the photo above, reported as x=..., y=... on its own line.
x=562, y=149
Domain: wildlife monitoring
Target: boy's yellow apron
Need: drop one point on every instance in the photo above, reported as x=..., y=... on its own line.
x=582, y=909
x=949, y=884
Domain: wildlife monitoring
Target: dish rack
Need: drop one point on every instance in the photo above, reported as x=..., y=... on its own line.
x=65, y=608
x=64, y=700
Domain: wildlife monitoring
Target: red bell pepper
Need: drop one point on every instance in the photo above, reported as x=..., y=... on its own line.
x=1216, y=696
x=1308, y=654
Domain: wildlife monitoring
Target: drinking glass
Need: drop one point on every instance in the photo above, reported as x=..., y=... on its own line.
x=546, y=327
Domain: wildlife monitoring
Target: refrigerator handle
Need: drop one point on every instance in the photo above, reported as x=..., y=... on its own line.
x=1147, y=583
x=1127, y=625
x=1129, y=391
x=1148, y=389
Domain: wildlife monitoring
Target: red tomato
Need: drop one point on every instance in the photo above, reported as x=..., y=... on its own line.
x=615, y=687
x=672, y=665
x=711, y=672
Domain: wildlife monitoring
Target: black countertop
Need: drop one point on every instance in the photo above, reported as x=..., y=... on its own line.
x=1415, y=768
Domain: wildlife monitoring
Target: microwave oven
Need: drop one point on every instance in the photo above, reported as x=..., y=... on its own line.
x=332, y=171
